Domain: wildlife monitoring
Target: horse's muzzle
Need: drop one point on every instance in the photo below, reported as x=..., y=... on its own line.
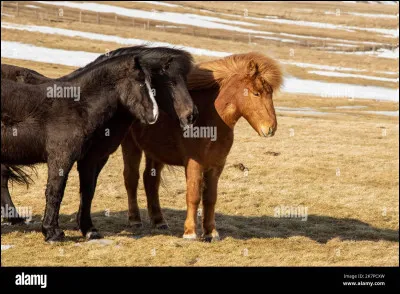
x=189, y=119
x=271, y=132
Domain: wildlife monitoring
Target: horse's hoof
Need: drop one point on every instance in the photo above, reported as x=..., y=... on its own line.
x=56, y=235
x=92, y=235
x=136, y=224
x=163, y=226
x=213, y=237
x=190, y=237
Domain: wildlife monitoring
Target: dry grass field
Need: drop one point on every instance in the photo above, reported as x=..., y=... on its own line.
x=341, y=164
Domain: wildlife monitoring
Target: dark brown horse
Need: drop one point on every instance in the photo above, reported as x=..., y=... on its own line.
x=53, y=122
x=223, y=90
x=169, y=68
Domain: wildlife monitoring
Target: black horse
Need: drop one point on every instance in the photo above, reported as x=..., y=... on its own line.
x=169, y=68
x=54, y=122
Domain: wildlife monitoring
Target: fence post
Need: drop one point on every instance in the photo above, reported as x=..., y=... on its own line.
x=148, y=24
x=97, y=17
x=133, y=22
x=80, y=16
x=17, y=13
x=116, y=19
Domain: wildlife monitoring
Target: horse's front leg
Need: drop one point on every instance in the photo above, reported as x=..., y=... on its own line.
x=89, y=170
x=152, y=179
x=132, y=156
x=194, y=176
x=58, y=170
x=209, y=200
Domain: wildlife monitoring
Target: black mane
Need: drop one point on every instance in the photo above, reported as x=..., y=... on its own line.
x=150, y=57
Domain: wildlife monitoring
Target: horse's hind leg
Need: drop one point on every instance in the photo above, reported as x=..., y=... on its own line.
x=132, y=156
x=6, y=202
x=58, y=170
x=151, y=179
x=89, y=170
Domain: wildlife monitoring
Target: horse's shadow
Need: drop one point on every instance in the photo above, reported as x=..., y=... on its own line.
x=318, y=228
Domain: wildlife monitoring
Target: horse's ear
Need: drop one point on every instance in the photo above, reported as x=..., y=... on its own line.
x=252, y=68
x=166, y=62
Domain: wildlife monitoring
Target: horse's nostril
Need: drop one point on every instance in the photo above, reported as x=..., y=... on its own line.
x=271, y=131
x=192, y=118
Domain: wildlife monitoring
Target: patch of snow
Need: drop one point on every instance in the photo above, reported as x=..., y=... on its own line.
x=6, y=247
x=335, y=90
x=330, y=39
x=351, y=107
x=319, y=66
x=386, y=53
x=349, y=75
x=8, y=15
x=343, y=45
x=158, y=3
x=393, y=33
x=169, y=27
x=16, y=50
x=331, y=67
x=277, y=39
x=373, y=15
x=32, y=6
x=108, y=38
x=303, y=9
x=300, y=110
x=387, y=113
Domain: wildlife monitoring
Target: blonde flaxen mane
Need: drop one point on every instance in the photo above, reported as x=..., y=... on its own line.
x=219, y=72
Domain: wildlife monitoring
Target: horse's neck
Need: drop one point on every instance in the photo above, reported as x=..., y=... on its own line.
x=92, y=80
x=102, y=108
x=97, y=86
x=225, y=106
x=215, y=110
x=98, y=92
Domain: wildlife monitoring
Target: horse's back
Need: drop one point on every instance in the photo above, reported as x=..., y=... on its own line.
x=22, y=75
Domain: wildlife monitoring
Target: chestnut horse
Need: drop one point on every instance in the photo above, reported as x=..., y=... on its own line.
x=224, y=90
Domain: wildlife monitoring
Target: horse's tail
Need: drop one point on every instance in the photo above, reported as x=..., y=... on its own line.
x=16, y=174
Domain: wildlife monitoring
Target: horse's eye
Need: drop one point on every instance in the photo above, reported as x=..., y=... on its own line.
x=141, y=85
x=256, y=94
